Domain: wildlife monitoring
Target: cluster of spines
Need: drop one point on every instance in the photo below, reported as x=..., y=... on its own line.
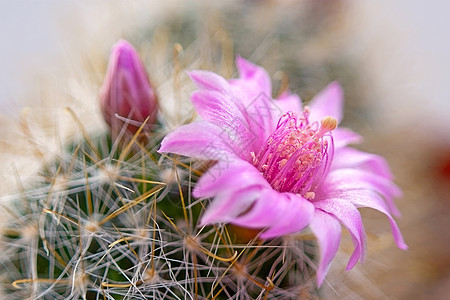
x=105, y=226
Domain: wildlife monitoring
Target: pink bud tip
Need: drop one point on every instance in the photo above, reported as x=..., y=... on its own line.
x=127, y=97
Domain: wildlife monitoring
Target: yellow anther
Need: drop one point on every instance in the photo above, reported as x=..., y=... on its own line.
x=327, y=124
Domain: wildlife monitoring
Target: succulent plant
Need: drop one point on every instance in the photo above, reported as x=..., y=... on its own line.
x=111, y=218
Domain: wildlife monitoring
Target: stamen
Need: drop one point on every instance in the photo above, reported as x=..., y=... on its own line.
x=295, y=156
x=326, y=125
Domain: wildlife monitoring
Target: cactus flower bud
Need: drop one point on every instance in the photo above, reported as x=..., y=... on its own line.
x=127, y=97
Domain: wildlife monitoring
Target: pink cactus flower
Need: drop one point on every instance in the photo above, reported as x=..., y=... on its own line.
x=127, y=97
x=281, y=167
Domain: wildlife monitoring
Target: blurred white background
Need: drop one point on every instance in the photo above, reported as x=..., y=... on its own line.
x=36, y=36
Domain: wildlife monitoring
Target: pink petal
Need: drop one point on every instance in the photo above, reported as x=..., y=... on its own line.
x=201, y=140
x=280, y=213
x=237, y=174
x=328, y=102
x=255, y=75
x=241, y=111
x=227, y=113
x=126, y=91
x=258, y=216
x=352, y=158
x=373, y=200
x=212, y=105
x=289, y=102
x=209, y=81
x=328, y=232
x=228, y=204
x=343, y=136
x=342, y=180
x=253, y=89
x=350, y=217
x=261, y=110
x=295, y=216
x=235, y=187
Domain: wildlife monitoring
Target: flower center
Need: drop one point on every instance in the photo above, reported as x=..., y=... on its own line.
x=297, y=154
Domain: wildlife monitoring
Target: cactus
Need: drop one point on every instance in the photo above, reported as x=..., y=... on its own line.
x=117, y=221
x=111, y=218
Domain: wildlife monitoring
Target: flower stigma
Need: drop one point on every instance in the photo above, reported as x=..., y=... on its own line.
x=297, y=154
